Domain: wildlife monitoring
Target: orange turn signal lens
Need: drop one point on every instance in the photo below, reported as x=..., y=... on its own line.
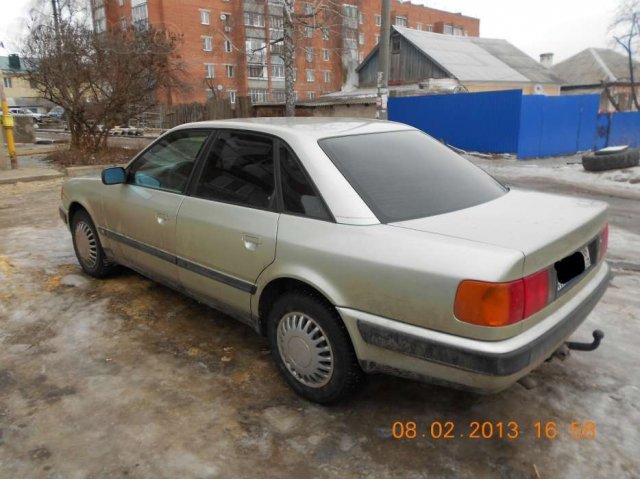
x=500, y=304
x=489, y=304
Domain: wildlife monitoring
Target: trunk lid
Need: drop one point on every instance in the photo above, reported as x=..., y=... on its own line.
x=544, y=227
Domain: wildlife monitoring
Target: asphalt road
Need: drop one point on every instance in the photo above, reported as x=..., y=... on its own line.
x=123, y=377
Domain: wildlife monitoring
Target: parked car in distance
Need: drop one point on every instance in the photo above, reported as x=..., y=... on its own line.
x=57, y=113
x=37, y=117
x=354, y=245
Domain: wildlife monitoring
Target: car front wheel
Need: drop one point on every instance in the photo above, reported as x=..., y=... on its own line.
x=87, y=246
x=312, y=348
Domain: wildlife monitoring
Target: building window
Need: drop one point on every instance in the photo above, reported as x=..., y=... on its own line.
x=100, y=21
x=255, y=48
x=207, y=43
x=350, y=14
x=447, y=29
x=278, y=95
x=311, y=75
x=121, y=3
x=309, y=54
x=429, y=28
x=7, y=82
x=230, y=71
x=259, y=95
x=257, y=70
x=253, y=19
x=377, y=38
x=326, y=76
x=360, y=18
x=227, y=46
x=208, y=70
x=401, y=21
x=124, y=23
x=205, y=17
x=232, y=96
x=308, y=32
x=139, y=13
x=325, y=54
x=378, y=20
x=277, y=70
x=419, y=26
x=311, y=95
x=361, y=38
x=325, y=34
x=395, y=44
x=276, y=23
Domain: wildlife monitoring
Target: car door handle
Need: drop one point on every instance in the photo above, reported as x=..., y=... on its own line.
x=250, y=242
x=162, y=218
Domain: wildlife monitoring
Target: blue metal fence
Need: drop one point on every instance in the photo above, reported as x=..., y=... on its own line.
x=504, y=121
x=557, y=125
x=620, y=128
x=482, y=122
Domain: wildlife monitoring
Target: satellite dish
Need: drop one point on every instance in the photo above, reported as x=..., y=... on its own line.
x=220, y=87
x=223, y=17
x=538, y=89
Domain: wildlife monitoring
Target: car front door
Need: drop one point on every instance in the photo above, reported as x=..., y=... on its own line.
x=141, y=214
x=226, y=233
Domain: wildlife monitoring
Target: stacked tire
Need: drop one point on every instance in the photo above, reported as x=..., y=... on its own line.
x=600, y=161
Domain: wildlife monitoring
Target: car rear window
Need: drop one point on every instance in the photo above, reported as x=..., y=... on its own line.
x=407, y=174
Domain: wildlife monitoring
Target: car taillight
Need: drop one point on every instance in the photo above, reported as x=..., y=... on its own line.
x=604, y=242
x=499, y=304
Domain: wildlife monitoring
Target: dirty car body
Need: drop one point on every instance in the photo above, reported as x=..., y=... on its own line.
x=354, y=245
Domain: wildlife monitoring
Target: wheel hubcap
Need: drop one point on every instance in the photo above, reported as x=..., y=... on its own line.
x=305, y=350
x=86, y=245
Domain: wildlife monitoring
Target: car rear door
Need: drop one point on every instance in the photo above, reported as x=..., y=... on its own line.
x=226, y=231
x=141, y=214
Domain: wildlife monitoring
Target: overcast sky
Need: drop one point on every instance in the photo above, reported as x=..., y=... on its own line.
x=563, y=27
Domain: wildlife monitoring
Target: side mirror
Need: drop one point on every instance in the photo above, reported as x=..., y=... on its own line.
x=114, y=175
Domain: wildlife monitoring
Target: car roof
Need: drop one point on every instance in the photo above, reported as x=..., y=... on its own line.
x=314, y=127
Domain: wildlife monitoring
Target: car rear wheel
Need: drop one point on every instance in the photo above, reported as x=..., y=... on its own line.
x=312, y=348
x=87, y=246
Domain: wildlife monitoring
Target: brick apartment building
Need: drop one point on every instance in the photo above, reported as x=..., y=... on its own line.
x=222, y=49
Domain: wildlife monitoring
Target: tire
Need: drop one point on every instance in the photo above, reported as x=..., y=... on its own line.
x=598, y=163
x=300, y=323
x=87, y=246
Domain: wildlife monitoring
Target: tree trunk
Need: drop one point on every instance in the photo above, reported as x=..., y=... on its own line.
x=289, y=60
x=630, y=58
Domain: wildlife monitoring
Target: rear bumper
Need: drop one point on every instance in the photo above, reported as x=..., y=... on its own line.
x=385, y=345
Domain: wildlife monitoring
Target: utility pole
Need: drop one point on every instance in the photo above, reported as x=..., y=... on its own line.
x=7, y=125
x=383, y=61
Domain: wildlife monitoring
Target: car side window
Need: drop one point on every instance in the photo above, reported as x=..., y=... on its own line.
x=298, y=194
x=239, y=169
x=168, y=164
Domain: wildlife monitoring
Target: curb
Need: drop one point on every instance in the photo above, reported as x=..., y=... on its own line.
x=30, y=178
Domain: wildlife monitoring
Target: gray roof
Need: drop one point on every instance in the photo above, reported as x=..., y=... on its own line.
x=593, y=66
x=479, y=59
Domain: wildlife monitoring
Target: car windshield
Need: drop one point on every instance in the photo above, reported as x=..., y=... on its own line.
x=405, y=175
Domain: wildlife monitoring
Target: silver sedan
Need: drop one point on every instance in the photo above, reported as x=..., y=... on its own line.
x=354, y=245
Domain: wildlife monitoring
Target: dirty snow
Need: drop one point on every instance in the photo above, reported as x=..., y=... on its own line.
x=126, y=378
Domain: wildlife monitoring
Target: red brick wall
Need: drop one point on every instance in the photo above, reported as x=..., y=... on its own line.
x=184, y=17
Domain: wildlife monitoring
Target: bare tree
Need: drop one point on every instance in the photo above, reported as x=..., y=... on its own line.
x=103, y=78
x=300, y=21
x=626, y=33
